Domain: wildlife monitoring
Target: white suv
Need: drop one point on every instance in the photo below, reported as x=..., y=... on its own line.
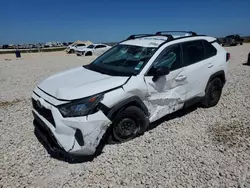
x=93, y=49
x=136, y=82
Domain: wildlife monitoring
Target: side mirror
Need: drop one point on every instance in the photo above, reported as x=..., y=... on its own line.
x=161, y=71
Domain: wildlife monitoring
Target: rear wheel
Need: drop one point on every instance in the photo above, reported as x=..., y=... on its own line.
x=88, y=54
x=213, y=93
x=71, y=51
x=128, y=124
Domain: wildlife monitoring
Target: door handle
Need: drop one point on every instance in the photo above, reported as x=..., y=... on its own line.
x=210, y=65
x=180, y=78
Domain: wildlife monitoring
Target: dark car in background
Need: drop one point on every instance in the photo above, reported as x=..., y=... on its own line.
x=5, y=46
x=232, y=40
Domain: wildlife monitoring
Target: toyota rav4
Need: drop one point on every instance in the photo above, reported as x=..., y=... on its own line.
x=136, y=82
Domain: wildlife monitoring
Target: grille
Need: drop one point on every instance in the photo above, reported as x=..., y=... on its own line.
x=46, y=113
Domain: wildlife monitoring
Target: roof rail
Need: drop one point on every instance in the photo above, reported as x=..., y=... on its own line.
x=186, y=32
x=170, y=37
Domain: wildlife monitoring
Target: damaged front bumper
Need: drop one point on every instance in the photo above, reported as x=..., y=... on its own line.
x=74, y=136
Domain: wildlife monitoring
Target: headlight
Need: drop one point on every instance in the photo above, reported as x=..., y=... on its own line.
x=80, y=107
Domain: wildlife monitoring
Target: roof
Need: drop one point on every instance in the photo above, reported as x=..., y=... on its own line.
x=156, y=41
x=153, y=41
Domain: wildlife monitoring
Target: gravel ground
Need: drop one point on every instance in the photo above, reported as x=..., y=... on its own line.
x=198, y=148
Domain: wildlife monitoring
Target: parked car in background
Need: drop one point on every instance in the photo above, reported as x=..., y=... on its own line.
x=232, y=40
x=11, y=46
x=72, y=48
x=65, y=44
x=93, y=49
x=48, y=44
x=5, y=46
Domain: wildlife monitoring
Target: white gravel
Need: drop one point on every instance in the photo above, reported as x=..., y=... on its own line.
x=201, y=148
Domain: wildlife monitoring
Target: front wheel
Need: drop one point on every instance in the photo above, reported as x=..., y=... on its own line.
x=128, y=124
x=213, y=93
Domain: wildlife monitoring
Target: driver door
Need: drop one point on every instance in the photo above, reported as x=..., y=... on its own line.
x=168, y=93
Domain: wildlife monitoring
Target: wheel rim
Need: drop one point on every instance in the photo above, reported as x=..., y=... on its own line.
x=126, y=129
x=215, y=92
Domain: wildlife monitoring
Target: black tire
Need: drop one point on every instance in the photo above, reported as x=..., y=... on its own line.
x=71, y=51
x=88, y=54
x=213, y=93
x=241, y=43
x=128, y=124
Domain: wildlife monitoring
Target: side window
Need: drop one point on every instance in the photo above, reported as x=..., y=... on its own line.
x=100, y=46
x=81, y=45
x=193, y=52
x=210, y=49
x=169, y=57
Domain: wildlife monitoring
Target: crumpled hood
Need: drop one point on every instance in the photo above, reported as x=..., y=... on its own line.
x=78, y=83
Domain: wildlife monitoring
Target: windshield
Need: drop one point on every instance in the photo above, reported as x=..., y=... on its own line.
x=123, y=60
x=91, y=46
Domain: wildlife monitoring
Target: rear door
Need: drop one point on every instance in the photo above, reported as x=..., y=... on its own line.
x=199, y=60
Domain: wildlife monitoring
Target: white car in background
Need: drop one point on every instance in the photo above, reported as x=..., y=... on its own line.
x=72, y=48
x=93, y=49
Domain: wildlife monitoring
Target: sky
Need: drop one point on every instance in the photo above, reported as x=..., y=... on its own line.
x=32, y=21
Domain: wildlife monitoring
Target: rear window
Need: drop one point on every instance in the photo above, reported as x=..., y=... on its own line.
x=194, y=52
x=210, y=49
x=81, y=45
x=100, y=46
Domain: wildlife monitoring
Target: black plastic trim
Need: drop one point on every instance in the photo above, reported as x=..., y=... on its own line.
x=79, y=137
x=219, y=73
x=110, y=112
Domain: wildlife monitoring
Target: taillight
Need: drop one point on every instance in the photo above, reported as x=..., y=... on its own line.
x=228, y=56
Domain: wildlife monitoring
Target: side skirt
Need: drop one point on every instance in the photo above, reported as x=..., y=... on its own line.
x=192, y=101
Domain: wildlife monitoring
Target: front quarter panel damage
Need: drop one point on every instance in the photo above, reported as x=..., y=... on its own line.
x=92, y=128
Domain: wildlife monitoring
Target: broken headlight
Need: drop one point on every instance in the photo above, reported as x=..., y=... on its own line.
x=80, y=107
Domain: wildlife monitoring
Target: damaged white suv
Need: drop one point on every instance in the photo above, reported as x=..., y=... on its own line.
x=134, y=83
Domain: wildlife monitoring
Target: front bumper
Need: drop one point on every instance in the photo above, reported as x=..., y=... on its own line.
x=80, y=53
x=75, y=136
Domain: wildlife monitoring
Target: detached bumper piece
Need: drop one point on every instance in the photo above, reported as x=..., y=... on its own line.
x=46, y=137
